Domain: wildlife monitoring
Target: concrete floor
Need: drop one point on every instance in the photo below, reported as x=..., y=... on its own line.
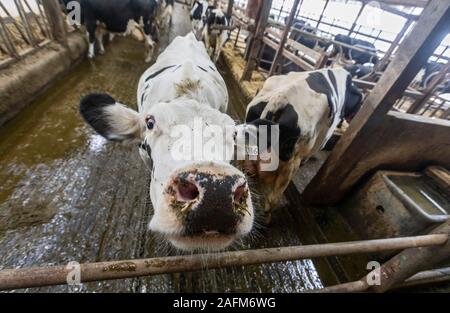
x=67, y=195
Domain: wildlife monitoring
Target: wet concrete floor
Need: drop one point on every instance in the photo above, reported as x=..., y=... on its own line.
x=68, y=195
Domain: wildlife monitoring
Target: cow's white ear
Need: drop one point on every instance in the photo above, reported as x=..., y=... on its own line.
x=112, y=120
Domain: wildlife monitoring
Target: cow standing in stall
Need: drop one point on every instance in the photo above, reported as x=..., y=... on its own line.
x=215, y=39
x=306, y=107
x=118, y=16
x=205, y=19
x=198, y=17
x=200, y=200
x=357, y=57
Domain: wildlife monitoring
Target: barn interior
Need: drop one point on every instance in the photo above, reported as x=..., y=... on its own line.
x=66, y=195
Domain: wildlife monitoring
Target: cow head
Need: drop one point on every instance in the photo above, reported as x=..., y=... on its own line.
x=200, y=200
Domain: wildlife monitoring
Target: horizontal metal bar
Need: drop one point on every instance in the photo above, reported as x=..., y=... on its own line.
x=421, y=278
x=57, y=275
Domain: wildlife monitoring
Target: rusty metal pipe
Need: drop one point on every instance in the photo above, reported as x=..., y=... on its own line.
x=419, y=279
x=57, y=275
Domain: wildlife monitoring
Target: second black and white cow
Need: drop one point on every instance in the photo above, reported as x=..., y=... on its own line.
x=306, y=107
x=430, y=71
x=117, y=16
x=214, y=38
x=198, y=16
x=200, y=200
x=309, y=42
x=353, y=55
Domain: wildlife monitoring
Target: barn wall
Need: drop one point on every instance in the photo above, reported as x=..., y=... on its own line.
x=22, y=82
x=401, y=142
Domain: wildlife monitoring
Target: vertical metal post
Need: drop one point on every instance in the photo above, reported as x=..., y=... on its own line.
x=36, y=18
x=6, y=37
x=57, y=24
x=24, y=36
x=321, y=14
x=45, y=20
x=24, y=19
x=230, y=7
x=264, y=12
x=283, y=40
x=382, y=64
x=356, y=18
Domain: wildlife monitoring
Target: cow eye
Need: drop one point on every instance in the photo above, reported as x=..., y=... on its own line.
x=150, y=121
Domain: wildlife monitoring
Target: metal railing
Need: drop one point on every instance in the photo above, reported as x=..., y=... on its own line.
x=24, y=27
x=89, y=272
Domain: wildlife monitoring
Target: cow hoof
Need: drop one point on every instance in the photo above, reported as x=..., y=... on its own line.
x=91, y=56
x=101, y=52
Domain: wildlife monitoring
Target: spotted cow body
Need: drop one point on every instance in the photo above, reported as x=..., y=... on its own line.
x=307, y=107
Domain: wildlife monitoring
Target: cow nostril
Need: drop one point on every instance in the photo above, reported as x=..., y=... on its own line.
x=187, y=191
x=239, y=194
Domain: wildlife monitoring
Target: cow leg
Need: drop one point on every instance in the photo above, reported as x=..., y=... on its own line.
x=167, y=15
x=218, y=48
x=91, y=27
x=149, y=43
x=111, y=37
x=99, y=37
x=284, y=176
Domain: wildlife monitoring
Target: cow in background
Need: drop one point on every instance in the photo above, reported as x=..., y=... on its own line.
x=431, y=70
x=118, y=16
x=215, y=39
x=309, y=42
x=198, y=17
x=352, y=55
x=307, y=107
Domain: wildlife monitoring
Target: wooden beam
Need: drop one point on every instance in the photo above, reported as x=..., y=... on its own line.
x=256, y=46
x=352, y=149
x=287, y=28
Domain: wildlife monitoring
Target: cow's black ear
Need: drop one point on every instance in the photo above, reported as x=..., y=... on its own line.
x=289, y=131
x=353, y=99
x=111, y=119
x=255, y=111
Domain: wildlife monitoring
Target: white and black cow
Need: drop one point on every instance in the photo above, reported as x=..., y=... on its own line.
x=199, y=202
x=198, y=16
x=215, y=39
x=357, y=57
x=117, y=16
x=307, y=107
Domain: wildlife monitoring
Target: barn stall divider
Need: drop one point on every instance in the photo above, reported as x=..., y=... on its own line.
x=421, y=253
x=38, y=40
